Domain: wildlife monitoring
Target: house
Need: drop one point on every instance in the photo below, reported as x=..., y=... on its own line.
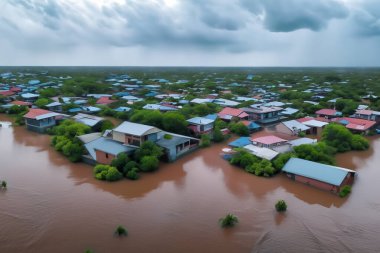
x=269, y=141
x=122, y=109
x=91, y=109
x=240, y=142
x=252, y=126
x=225, y=102
x=328, y=113
x=176, y=145
x=229, y=114
x=302, y=141
x=29, y=97
x=89, y=120
x=315, y=125
x=322, y=176
x=54, y=106
x=291, y=127
x=135, y=134
x=101, y=149
x=21, y=103
x=160, y=107
x=367, y=115
x=356, y=125
x=263, y=114
x=262, y=152
x=289, y=111
x=7, y=93
x=200, y=125
x=105, y=101
x=39, y=120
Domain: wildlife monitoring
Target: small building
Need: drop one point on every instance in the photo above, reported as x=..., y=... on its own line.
x=328, y=113
x=240, y=142
x=356, y=125
x=229, y=114
x=252, y=126
x=39, y=120
x=322, y=176
x=263, y=114
x=21, y=103
x=89, y=120
x=200, y=125
x=105, y=100
x=54, y=106
x=176, y=145
x=135, y=134
x=292, y=127
x=269, y=141
x=367, y=115
x=316, y=125
x=29, y=97
x=262, y=152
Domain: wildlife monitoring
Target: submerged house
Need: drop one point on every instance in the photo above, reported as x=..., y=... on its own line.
x=200, y=125
x=367, y=115
x=322, y=176
x=129, y=136
x=89, y=120
x=39, y=120
x=263, y=114
x=328, y=113
x=55, y=106
x=291, y=127
x=356, y=125
x=229, y=114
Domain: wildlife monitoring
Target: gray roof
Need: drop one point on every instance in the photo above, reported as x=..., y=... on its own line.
x=89, y=120
x=135, y=129
x=295, y=125
x=302, y=141
x=53, y=104
x=174, y=141
x=200, y=121
x=107, y=145
x=86, y=138
x=318, y=171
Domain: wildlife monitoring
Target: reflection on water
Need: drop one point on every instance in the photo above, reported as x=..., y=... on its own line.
x=52, y=205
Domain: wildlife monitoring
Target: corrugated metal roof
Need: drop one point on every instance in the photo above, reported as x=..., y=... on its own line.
x=200, y=121
x=107, y=145
x=325, y=173
x=240, y=142
x=135, y=128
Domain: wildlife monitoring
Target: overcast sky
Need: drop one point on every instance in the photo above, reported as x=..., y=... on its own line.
x=190, y=32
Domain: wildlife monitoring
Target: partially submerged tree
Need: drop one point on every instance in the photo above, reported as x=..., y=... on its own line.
x=281, y=206
x=229, y=220
x=121, y=231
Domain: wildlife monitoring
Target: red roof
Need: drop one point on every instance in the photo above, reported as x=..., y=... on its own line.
x=15, y=89
x=18, y=102
x=233, y=112
x=105, y=101
x=328, y=112
x=357, y=124
x=302, y=120
x=364, y=112
x=7, y=93
x=33, y=113
x=269, y=140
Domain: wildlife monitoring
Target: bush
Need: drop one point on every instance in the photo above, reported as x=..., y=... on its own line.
x=281, y=206
x=120, y=161
x=359, y=142
x=205, y=141
x=345, y=191
x=130, y=165
x=106, y=172
x=106, y=125
x=4, y=184
x=133, y=174
x=149, y=163
x=217, y=135
x=121, y=231
x=240, y=129
x=148, y=148
x=280, y=161
x=229, y=220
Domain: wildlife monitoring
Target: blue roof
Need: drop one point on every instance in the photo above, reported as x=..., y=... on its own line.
x=107, y=145
x=122, y=94
x=211, y=116
x=75, y=110
x=122, y=109
x=241, y=142
x=253, y=125
x=318, y=171
x=344, y=122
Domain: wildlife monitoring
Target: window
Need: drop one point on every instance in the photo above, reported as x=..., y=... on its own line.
x=107, y=155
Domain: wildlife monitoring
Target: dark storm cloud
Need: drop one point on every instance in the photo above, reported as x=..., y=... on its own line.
x=367, y=18
x=291, y=15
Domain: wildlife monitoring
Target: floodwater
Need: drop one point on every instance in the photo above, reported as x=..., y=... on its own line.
x=52, y=205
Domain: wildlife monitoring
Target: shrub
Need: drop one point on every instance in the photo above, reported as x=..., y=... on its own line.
x=217, y=135
x=345, y=191
x=4, y=184
x=205, y=140
x=240, y=129
x=120, y=161
x=281, y=160
x=121, y=231
x=130, y=165
x=106, y=172
x=168, y=137
x=229, y=220
x=149, y=163
x=281, y=206
x=106, y=125
x=359, y=142
x=148, y=148
x=133, y=174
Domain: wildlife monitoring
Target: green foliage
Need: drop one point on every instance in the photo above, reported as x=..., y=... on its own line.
x=129, y=166
x=149, y=163
x=147, y=117
x=239, y=129
x=205, y=140
x=121, y=231
x=345, y=191
x=71, y=129
x=346, y=106
x=262, y=168
x=148, y=148
x=244, y=159
x=281, y=206
x=133, y=174
x=4, y=184
x=229, y=220
x=320, y=152
x=106, y=125
x=106, y=172
x=217, y=135
x=281, y=160
x=18, y=109
x=174, y=122
x=42, y=102
x=342, y=139
x=120, y=161
x=48, y=92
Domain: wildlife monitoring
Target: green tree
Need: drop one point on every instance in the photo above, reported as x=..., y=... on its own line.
x=121, y=231
x=281, y=206
x=42, y=102
x=148, y=148
x=174, y=122
x=229, y=220
x=240, y=129
x=120, y=161
x=106, y=125
x=217, y=135
x=149, y=163
x=133, y=174
x=205, y=140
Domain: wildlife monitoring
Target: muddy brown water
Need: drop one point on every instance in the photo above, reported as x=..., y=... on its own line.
x=52, y=205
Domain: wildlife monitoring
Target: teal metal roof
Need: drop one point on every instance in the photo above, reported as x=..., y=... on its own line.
x=318, y=171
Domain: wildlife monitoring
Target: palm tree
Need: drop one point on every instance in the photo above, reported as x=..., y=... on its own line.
x=228, y=221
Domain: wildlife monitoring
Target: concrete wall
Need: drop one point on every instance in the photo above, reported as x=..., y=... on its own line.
x=117, y=136
x=281, y=128
x=103, y=158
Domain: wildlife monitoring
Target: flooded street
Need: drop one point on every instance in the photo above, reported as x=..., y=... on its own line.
x=52, y=205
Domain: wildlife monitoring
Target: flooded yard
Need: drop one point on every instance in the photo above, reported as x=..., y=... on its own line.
x=52, y=205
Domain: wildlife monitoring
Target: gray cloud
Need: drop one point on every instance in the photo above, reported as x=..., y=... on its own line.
x=367, y=18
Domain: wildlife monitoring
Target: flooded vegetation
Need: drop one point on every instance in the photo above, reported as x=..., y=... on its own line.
x=52, y=205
